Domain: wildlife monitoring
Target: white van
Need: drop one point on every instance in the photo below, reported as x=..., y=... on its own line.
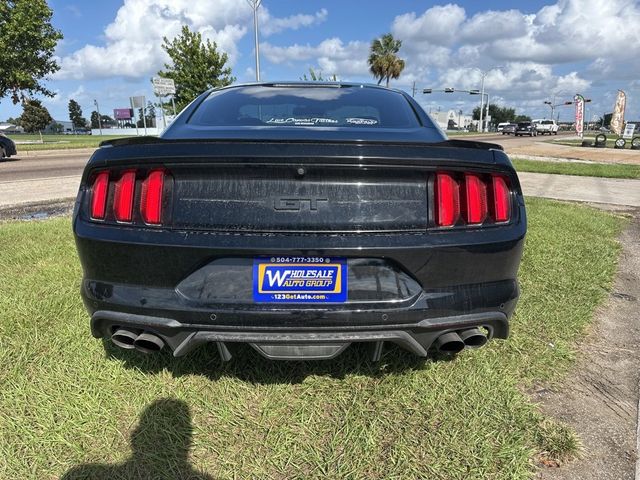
x=502, y=125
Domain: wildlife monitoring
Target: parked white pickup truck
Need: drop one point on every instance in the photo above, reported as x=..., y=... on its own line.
x=546, y=126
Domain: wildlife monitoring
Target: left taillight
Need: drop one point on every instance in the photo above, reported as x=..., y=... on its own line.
x=99, y=193
x=123, y=196
x=121, y=204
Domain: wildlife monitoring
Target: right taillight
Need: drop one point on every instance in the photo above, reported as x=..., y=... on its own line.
x=475, y=199
x=99, y=193
x=501, y=199
x=151, y=198
x=470, y=199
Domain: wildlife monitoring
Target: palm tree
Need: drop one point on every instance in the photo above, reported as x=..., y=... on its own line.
x=384, y=64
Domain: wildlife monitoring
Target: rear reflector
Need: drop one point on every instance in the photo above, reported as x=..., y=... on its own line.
x=447, y=200
x=475, y=199
x=123, y=198
x=99, y=191
x=151, y=198
x=501, y=199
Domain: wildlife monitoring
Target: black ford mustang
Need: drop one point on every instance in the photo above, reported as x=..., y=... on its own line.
x=300, y=218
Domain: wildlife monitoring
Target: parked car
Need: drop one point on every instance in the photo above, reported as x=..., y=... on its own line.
x=546, y=126
x=7, y=147
x=300, y=218
x=526, y=128
x=509, y=129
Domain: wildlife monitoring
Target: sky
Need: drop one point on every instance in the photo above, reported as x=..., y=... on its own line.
x=531, y=52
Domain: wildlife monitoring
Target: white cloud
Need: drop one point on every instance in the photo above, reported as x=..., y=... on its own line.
x=133, y=41
x=293, y=22
x=438, y=25
x=331, y=55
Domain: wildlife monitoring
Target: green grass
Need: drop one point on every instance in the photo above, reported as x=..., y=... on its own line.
x=68, y=402
x=610, y=170
x=59, y=142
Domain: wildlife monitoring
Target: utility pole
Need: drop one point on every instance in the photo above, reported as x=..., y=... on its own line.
x=255, y=4
x=95, y=102
x=413, y=90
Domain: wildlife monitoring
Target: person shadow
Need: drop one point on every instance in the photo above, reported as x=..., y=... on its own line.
x=160, y=448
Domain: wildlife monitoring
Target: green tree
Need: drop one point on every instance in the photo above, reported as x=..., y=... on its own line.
x=195, y=66
x=27, y=44
x=34, y=116
x=75, y=115
x=498, y=114
x=384, y=62
x=521, y=118
x=317, y=77
x=95, y=123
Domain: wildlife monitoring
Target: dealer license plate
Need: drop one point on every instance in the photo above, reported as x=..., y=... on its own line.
x=300, y=280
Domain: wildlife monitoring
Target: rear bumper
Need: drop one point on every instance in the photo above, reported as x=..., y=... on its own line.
x=308, y=343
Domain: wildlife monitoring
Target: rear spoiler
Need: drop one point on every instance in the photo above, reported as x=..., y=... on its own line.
x=148, y=140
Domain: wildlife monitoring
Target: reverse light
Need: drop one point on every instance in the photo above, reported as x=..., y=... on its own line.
x=123, y=197
x=501, y=208
x=475, y=199
x=447, y=192
x=99, y=192
x=151, y=197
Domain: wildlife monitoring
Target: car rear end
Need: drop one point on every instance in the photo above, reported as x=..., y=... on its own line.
x=299, y=247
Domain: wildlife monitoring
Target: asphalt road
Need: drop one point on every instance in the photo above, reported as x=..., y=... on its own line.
x=46, y=166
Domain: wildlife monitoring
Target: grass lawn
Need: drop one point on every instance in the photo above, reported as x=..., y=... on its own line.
x=612, y=170
x=59, y=142
x=67, y=401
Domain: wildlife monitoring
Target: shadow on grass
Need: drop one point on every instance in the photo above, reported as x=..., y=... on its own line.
x=249, y=366
x=160, y=448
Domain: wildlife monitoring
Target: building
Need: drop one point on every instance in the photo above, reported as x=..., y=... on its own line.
x=10, y=128
x=453, y=120
x=67, y=127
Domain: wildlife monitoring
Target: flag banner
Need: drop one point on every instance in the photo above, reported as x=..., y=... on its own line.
x=617, y=119
x=578, y=100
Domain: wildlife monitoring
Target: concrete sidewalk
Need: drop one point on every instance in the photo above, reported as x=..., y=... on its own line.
x=613, y=191
x=561, y=187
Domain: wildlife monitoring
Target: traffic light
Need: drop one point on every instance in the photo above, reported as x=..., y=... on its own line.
x=448, y=90
x=427, y=90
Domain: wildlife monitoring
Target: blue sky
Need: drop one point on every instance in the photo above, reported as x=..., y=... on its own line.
x=531, y=51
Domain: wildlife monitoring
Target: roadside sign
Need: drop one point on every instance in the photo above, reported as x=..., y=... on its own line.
x=137, y=102
x=163, y=86
x=629, y=130
x=123, y=113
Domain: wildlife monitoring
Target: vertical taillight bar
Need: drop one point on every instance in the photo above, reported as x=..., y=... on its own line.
x=475, y=199
x=151, y=197
x=99, y=192
x=501, y=199
x=123, y=197
x=447, y=193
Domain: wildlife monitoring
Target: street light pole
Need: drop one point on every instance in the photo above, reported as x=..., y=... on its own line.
x=95, y=102
x=255, y=4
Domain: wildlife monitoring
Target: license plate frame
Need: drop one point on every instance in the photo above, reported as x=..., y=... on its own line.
x=291, y=279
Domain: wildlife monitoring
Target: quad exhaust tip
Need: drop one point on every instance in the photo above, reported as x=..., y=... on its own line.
x=455, y=342
x=450, y=343
x=124, y=338
x=143, y=342
x=473, y=338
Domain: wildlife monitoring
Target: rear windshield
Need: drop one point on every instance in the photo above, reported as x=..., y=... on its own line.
x=524, y=124
x=307, y=106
